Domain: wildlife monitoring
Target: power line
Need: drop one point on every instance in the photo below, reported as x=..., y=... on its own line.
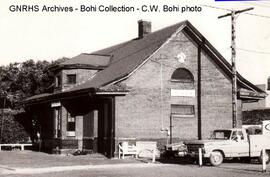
x=259, y=5
x=219, y=8
x=265, y=3
x=253, y=51
x=214, y=7
x=257, y=15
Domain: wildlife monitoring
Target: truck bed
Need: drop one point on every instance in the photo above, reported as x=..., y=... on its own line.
x=257, y=143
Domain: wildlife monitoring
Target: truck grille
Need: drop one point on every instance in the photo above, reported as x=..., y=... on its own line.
x=194, y=147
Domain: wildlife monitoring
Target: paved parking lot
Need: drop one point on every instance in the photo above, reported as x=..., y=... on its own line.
x=27, y=163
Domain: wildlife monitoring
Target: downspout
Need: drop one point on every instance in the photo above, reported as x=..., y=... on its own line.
x=199, y=95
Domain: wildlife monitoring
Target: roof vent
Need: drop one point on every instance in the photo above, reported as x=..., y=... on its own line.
x=144, y=28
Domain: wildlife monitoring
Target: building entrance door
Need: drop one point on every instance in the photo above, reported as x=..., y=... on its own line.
x=106, y=127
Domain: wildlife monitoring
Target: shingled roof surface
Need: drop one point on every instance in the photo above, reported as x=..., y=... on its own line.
x=124, y=58
x=127, y=56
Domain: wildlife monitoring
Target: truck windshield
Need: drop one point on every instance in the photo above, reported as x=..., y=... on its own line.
x=221, y=134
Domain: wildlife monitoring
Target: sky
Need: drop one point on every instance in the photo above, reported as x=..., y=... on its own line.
x=53, y=35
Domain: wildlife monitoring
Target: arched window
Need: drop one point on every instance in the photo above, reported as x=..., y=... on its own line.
x=182, y=75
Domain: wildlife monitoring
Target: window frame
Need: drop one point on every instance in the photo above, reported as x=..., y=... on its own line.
x=186, y=115
x=71, y=78
x=189, y=76
x=71, y=119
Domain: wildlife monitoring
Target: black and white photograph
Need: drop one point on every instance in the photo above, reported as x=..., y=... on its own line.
x=146, y=88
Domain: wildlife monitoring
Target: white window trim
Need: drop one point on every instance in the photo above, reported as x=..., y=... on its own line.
x=183, y=116
x=71, y=133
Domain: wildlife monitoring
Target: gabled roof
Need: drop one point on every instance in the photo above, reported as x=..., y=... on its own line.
x=124, y=58
x=127, y=56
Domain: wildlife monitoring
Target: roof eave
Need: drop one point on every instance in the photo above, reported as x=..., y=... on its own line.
x=76, y=66
x=116, y=93
x=72, y=94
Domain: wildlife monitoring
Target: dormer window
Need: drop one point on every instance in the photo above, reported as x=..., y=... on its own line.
x=71, y=79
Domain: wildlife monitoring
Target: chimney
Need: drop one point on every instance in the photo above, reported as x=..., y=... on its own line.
x=144, y=28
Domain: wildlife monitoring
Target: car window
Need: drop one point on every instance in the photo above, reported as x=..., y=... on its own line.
x=221, y=134
x=240, y=134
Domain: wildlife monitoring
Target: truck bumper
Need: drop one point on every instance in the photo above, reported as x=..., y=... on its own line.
x=196, y=154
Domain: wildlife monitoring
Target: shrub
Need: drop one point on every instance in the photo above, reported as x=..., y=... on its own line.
x=12, y=130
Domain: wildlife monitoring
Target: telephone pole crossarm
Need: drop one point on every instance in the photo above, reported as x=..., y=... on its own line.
x=236, y=12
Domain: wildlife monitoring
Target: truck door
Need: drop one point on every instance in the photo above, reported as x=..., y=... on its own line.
x=240, y=145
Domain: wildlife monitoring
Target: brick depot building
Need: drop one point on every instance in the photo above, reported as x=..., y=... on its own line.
x=169, y=80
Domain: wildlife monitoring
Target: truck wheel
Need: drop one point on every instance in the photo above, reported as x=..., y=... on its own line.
x=267, y=157
x=216, y=158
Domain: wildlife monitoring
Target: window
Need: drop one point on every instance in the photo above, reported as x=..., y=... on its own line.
x=182, y=75
x=182, y=110
x=70, y=125
x=57, y=81
x=71, y=79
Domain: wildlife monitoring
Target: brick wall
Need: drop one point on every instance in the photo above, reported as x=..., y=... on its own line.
x=216, y=90
x=81, y=76
x=139, y=115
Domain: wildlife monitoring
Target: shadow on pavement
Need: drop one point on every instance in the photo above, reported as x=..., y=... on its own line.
x=240, y=169
x=177, y=160
x=231, y=164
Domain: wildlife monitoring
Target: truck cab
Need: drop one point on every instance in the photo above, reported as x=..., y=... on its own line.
x=226, y=143
x=233, y=142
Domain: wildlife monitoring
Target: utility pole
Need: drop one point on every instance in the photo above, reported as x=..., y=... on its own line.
x=234, y=72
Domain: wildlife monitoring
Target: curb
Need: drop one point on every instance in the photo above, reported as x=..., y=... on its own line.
x=72, y=168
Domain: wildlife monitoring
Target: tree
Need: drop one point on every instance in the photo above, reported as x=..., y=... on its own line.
x=17, y=82
x=21, y=80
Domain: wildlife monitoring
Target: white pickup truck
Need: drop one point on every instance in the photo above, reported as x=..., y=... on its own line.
x=230, y=143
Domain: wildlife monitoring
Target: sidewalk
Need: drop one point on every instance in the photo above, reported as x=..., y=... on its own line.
x=31, y=159
x=30, y=162
x=6, y=171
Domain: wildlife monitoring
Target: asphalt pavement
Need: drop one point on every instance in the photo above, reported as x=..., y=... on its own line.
x=23, y=163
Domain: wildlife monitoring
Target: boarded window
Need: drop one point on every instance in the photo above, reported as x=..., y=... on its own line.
x=71, y=79
x=182, y=75
x=182, y=110
x=70, y=124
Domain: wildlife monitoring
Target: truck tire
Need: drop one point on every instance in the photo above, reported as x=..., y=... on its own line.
x=216, y=158
x=267, y=157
